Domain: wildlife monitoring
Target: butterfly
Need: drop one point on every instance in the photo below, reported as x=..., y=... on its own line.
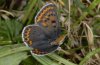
x=43, y=36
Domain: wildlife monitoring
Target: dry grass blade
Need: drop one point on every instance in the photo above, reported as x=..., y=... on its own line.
x=6, y=12
x=89, y=34
x=90, y=38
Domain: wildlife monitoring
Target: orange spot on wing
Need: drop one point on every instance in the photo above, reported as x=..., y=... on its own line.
x=27, y=34
x=27, y=39
x=30, y=42
x=58, y=40
x=44, y=24
x=43, y=12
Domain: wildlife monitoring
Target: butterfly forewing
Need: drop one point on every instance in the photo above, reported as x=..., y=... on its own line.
x=47, y=18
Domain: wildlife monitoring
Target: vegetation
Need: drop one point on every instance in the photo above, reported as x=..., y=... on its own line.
x=80, y=20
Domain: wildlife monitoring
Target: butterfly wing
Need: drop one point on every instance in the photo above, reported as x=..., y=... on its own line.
x=33, y=36
x=44, y=32
x=48, y=20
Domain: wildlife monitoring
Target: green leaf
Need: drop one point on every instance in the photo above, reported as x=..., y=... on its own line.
x=13, y=59
x=10, y=49
x=60, y=59
x=45, y=60
x=89, y=55
x=31, y=5
x=10, y=30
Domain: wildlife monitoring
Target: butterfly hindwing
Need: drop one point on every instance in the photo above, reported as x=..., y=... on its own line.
x=34, y=37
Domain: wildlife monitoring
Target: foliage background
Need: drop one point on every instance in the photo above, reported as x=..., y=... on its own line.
x=80, y=21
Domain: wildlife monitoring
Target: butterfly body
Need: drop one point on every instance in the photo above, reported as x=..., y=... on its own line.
x=44, y=32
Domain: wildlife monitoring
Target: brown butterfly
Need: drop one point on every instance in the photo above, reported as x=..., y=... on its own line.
x=43, y=36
